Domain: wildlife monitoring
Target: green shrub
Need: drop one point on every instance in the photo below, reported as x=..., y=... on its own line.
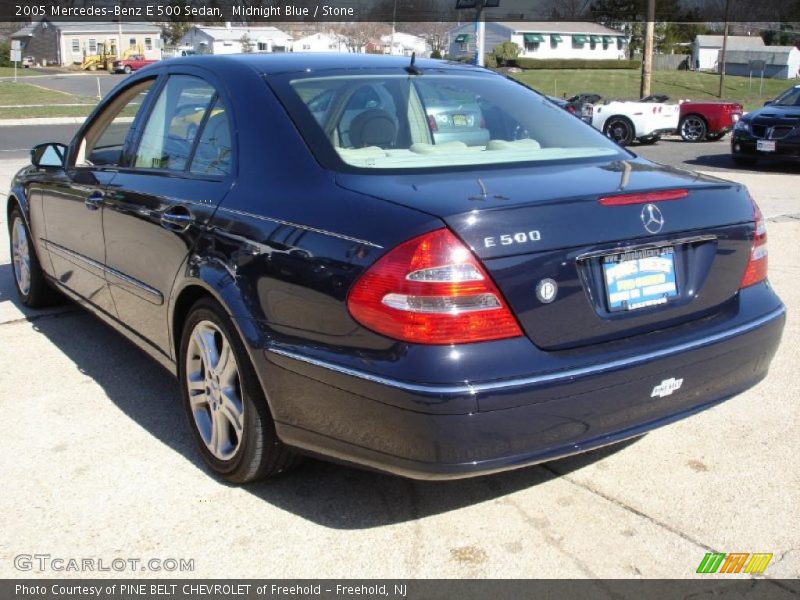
x=505, y=53
x=5, y=52
x=490, y=61
x=436, y=54
x=576, y=63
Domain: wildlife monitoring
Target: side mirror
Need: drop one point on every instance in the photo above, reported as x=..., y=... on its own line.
x=49, y=155
x=768, y=102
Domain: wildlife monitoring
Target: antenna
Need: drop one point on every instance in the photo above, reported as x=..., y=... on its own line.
x=411, y=68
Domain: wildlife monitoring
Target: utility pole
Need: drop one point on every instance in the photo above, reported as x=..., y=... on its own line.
x=480, y=33
x=647, y=58
x=723, y=57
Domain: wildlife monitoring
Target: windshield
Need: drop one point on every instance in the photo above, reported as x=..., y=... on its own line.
x=434, y=120
x=790, y=97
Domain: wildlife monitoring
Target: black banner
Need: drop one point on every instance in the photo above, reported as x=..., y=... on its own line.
x=432, y=589
x=245, y=11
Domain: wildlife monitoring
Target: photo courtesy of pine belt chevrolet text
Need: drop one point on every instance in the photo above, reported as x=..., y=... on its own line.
x=414, y=266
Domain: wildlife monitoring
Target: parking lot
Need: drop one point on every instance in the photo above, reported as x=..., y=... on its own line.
x=98, y=462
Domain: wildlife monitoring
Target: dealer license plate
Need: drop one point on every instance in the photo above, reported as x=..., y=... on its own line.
x=765, y=145
x=640, y=278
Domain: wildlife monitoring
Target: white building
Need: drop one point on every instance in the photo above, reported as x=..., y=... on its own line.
x=405, y=44
x=706, y=48
x=232, y=39
x=320, y=42
x=66, y=42
x=542, y=39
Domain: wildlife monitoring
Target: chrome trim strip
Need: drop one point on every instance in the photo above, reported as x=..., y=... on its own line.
x=468, y=388
x=646, y=246
x=59, y=249
x=305, y=227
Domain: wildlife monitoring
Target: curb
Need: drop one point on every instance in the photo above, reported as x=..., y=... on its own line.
x=42, y=121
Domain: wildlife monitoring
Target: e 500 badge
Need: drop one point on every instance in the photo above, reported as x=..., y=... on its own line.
x=507, y=239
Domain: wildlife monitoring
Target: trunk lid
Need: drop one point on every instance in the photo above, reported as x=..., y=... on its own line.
x=535, y=227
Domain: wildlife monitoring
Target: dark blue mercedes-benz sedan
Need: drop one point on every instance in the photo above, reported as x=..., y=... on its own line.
x=413, y=266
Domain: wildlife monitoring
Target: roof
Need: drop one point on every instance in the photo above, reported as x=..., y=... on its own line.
x=234, y=33
x=292, y=62
x=735, y=42
x=771, y=55
x=111, y=28
x=559, y=27
x=26, y=31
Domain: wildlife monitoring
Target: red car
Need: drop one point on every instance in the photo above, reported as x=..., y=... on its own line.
x=130, y=64
x=709, y=121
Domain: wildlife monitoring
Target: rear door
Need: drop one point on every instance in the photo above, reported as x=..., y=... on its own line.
x=175, y=175
x=72, y=201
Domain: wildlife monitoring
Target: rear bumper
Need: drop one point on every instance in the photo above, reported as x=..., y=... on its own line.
x=346, y=415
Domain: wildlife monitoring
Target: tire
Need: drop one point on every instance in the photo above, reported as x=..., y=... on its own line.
x=93, y=67
x=29, y=279
x=227, y=409
x=744, y=161
x=620, y=129
x=649, y=141
x=127, y=70
x=693, y=128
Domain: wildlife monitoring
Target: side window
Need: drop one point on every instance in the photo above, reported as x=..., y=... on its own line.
x=173, y=124
x=104, y=140
x=213, y=153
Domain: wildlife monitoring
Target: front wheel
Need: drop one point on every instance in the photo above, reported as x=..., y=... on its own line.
x=693, y=128
x=224, y=402
x=127, y=70
x=32, y=287
x=620, y=130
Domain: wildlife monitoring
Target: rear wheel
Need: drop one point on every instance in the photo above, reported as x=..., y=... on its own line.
x=224, y=402
x=127, y=69
x=32, y=287
x=619, y=129
x=693, y=128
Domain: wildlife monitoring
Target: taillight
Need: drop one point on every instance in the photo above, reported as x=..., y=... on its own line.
x=432, y=124
x=431, y=290
x=756, y=269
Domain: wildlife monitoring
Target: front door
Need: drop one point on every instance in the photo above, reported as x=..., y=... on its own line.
x=72, y=201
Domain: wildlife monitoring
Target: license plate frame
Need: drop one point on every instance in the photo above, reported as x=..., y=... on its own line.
x=766, y=145
x=638, y=279
x=460, y=120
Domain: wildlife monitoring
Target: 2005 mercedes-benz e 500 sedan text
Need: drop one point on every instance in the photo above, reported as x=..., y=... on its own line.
x=326, y=274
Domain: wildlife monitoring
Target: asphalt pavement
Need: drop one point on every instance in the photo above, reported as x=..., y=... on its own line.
x=79, y=84
x=97, y=462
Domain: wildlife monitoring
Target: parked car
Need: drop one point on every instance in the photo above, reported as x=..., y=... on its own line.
x=707, y=121
x=625, y=121
x=430, y=309
x=771, y=132
x=28, y=62
x=562, y=103
x=131, y=63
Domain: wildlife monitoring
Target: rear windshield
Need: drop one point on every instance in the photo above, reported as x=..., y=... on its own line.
x=434, y=120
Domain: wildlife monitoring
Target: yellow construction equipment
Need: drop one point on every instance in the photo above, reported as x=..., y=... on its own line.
x=104, y=59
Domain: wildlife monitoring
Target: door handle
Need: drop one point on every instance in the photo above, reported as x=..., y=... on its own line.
x=177, y=219
x=93, y=201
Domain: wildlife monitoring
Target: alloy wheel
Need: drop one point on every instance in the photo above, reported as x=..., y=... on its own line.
x=215, y=390
x=21, y=256
x=693, y=129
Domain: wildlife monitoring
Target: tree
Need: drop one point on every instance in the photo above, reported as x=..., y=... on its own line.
x=505, y=53
x=247, y=45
